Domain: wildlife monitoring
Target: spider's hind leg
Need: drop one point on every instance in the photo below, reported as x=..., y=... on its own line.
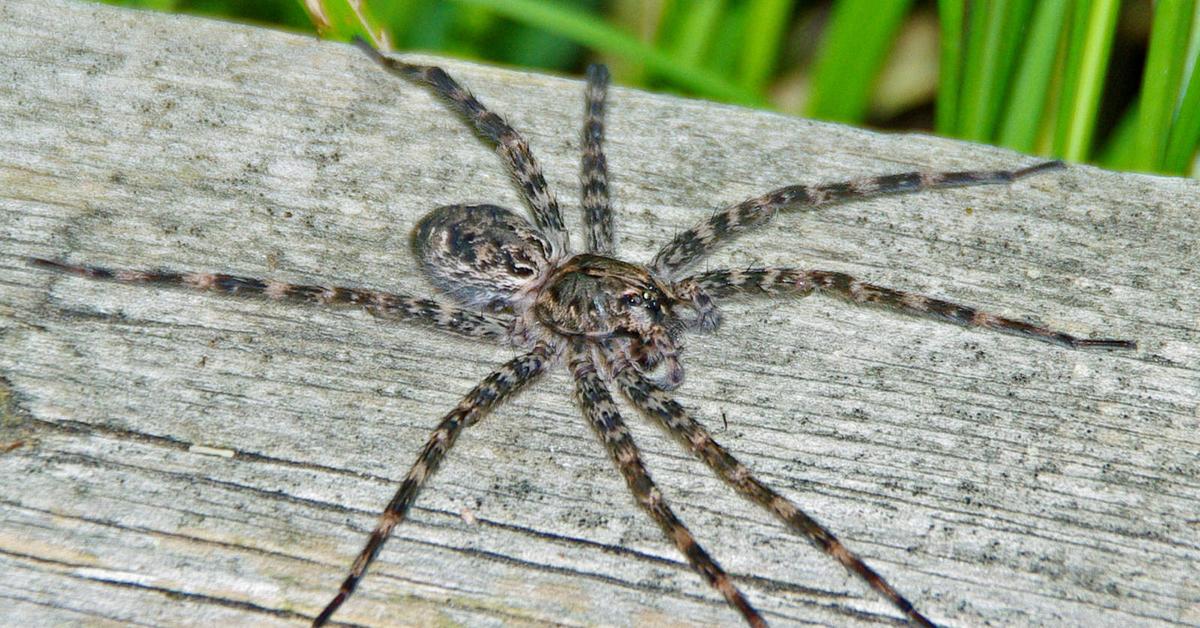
x=653, y=401
x=390, y=305
x=601, y=412
x=496, y=388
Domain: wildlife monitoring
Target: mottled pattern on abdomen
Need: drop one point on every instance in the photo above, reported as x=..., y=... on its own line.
x=480, y=255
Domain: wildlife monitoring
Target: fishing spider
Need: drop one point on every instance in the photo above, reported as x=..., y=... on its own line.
x=613, y=323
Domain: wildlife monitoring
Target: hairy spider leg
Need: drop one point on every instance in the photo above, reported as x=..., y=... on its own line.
x=515, y=150
x=797, y=282
x=600, y=410
x=597, y=209
x=494, y=389
x=693, y=244
x=655, y=402
x=383, y=304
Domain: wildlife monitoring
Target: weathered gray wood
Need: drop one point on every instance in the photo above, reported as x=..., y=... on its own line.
x=992, y=479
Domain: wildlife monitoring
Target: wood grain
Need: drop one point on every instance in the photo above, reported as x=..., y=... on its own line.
x=172, y=458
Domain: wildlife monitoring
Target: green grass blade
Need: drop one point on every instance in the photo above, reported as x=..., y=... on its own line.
x=448, y=29
x=722, y=56
x=398, y=15
x=534, y=48
x=1068, y=73
x=694, y=30
x=342, y=19
x=950, y=19
x=1020, y=123
x=1012, y=38
x=765, y=25
x=588, y=30
x=995, y=37
x=1185, y=133
x=153, y=5
x=983, y=31
x=859, y=34
x=653, y=23
x=1118, y=151
x=1092, y=35
x=1160, y=82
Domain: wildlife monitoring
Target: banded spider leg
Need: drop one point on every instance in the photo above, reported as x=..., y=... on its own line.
x=510, y=144
x=601, y=412
x=797, y=282
x=500, y=385
x=694, y=244
x=655, y=402
x=390, y=305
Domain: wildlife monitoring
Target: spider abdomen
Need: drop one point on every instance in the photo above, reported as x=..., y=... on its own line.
x=481, y=255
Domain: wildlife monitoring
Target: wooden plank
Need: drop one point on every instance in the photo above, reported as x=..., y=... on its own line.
x=174, y=458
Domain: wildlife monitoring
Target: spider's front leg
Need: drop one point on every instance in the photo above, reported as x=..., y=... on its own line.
x=653, y=401
x=797, y=282
x=597, y=209
x=705, y=315
x=697, y=242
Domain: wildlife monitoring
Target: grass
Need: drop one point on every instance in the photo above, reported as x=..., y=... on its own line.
x=1032, y=75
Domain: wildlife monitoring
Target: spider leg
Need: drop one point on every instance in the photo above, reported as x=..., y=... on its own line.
x=600, y=410
x=597, y=209
x=720, y=283
x=515, y=150
x=495, y=388
x=693, y=244
x=383, y=304
x=707, y=317
x=655, y=402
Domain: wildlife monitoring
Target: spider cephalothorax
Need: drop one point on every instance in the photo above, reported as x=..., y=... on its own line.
x=616, y=304
x=614, y=323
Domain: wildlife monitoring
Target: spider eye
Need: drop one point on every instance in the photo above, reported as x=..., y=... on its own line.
x=633, y=299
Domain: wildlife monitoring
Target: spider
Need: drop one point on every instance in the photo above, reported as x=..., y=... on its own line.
x=611, y=323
